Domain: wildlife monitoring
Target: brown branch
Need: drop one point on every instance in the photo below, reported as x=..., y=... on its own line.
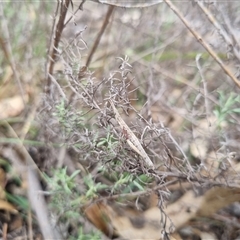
x=99, y=36
x=129, y=4
x=57, y=37
x=179, y=176
x=203, y=42
x=51, y=40
x=79, y=8
x=137, y=193
x=219, y=28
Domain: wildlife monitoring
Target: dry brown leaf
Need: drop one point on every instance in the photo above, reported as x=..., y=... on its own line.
x=207, y=236
x=216, y=199
x=11, y=107
x=168, y=117
x=16, y=223
x=2, y=183
x=98, y=214
x=183, y=210
x=7, y=207
x=175, y=236
x=136, y=227
x=191, y=206
x=211, y=165
x=194, y=233
x=237, y=167
x=199, y=148
x=149, y=224
x=217, y=164
x=124, y=223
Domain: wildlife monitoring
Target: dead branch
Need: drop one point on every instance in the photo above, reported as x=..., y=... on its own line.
x=203, y=42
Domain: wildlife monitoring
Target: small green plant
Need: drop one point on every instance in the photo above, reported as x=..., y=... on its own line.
x=17, y=200
x=108, y=145
x=92, y=187
x=69, y=120
x=61, y=181
x=66, y=201
x=127, y=182
x=109, y=141
x=123, y=180
x=61, y=188
x=81, y=236
x=226, y=107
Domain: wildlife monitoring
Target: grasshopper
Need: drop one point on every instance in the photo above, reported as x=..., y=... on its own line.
x=132, y=140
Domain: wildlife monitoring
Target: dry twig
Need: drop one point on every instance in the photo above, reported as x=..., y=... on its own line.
x=203, y=42
x=99, y=36
x=30, y=174
x=57, y=36
x=219, y=28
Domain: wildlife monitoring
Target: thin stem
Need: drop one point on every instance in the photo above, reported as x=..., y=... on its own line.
x=203, y=42
x=99, y=36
